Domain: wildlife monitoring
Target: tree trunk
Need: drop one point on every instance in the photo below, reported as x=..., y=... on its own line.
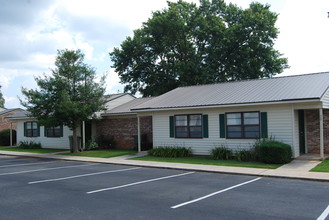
x=75, y=141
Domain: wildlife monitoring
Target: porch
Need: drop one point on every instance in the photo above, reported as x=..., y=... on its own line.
x=313, y=134
x=312, y=157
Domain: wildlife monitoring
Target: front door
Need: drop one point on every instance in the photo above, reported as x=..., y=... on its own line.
x=301, y=128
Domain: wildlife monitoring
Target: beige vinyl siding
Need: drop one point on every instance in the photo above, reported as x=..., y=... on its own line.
x=308, y=105
x=46, y=142
x=279, y=126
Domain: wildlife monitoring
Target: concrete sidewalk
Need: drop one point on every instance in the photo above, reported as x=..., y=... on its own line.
x=297, y=169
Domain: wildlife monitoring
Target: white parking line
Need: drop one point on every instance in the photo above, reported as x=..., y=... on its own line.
x=25, y=164
x=324, y=214
x=215, y=193
x=83, y=175
x=54, y=168
x=136, y=183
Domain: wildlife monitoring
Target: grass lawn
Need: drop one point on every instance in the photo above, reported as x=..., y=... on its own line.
x=208, y=161
x=39, y=151
x=322, y=167
x=101, y=153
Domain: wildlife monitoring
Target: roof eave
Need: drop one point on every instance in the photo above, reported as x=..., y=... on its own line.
x=118, y=114
x=19, y=118
x=286, y=101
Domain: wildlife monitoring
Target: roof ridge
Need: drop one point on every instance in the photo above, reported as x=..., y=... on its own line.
x=249, y=80
x=276, y=89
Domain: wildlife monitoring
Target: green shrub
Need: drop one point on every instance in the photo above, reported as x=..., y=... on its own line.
x=5, y=137
x=29, y=145
x=91, y=145
x=221, y=153
x=245, y=155
x=105, y=142
x=259, y=143
x=170, y=152
x=274, y=152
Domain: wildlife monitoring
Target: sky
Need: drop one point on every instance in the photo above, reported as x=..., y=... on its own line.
x=31, y=32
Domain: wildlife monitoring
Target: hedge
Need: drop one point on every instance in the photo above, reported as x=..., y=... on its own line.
x=274, y=152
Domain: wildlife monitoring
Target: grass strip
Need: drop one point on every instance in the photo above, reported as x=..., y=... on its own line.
x=39, y=151
x=209, y=161
x=322, y=167
x=101, y=153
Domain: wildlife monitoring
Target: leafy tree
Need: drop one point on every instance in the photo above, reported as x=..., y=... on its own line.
x=69, y=96
x=2, y=100
x=187, y=44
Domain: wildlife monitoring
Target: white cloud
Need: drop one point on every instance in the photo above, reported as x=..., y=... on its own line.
x=304, y=34
x=11, y=102
x=33, y=31
x=113, y=83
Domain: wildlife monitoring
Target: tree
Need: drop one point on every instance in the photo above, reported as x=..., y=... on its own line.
x=69, y=96
x=187, y=44
x=2, y=100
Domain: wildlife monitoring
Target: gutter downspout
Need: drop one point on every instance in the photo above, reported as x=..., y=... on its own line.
x=321, y=134
x=139, y=133
x=11, y=134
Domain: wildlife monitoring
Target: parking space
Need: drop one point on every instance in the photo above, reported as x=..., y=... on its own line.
x=56, y=189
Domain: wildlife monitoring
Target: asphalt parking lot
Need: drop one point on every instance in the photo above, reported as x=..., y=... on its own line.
x=55, y=189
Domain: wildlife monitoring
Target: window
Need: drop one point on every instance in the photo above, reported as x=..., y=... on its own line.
x=31, y=129
x=188, y=126
x=53, y=131
x=243, y=125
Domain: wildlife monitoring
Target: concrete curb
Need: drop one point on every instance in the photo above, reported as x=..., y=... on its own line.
x=294, y=170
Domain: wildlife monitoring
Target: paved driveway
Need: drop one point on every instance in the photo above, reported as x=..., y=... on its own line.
x=55, y=189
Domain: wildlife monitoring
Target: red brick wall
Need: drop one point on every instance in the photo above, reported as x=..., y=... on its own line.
x=5, y=123
x=123, y=130
x=313, y=131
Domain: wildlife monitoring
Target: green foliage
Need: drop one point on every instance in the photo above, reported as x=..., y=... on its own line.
x=322, y=167
x=69, y=96
x=274, y=152
x=5, y=137
x=29, y=145
x=221, y=153
x=2, y=100
x=170, y=152
x=105, y=142
x=186, y=44
x=91, y=145
x=245, y=155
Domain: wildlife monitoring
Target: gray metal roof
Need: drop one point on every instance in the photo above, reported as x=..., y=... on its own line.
x=126, y=107
x=9, y=110
x=277, y=89
x=115, y=96
x=19, y=115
